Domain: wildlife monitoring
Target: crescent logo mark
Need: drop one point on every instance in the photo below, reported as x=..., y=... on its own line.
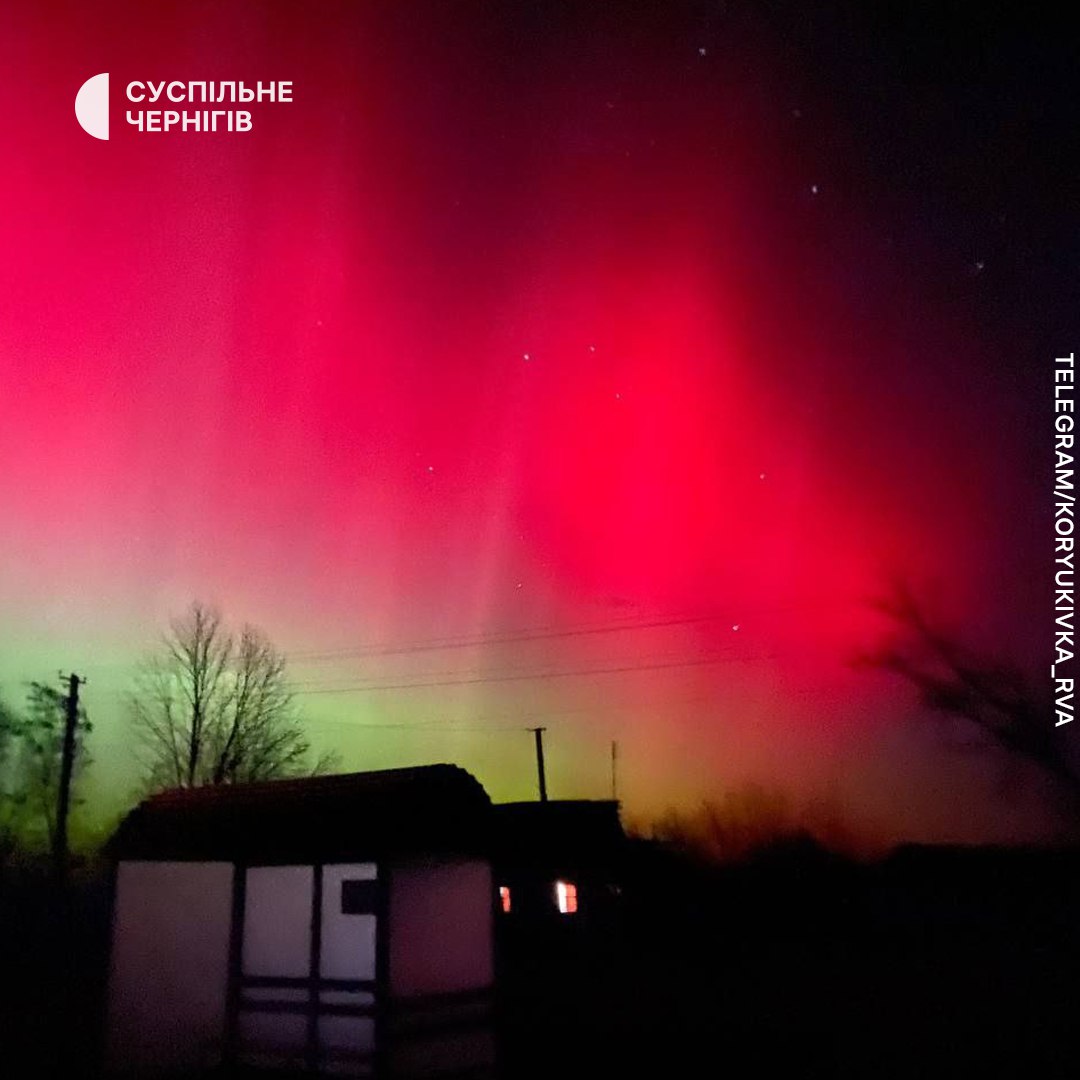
x=92, y=106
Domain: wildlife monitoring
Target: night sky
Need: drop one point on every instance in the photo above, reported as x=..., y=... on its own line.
x=584, y=365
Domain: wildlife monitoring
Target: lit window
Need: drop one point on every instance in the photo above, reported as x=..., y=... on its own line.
x=504, y=898
x=566, y=897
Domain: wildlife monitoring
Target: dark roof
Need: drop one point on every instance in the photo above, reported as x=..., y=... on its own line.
x=566, y=832
x=428, y=809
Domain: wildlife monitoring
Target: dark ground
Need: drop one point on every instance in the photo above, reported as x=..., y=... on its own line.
x=936, y=962
x=959, y=963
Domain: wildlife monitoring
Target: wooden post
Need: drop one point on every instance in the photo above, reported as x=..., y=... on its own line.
x=67, y=767
x=539, y=733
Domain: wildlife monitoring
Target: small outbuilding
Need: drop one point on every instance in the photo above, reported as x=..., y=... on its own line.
x=340, y=925
x=558, y=858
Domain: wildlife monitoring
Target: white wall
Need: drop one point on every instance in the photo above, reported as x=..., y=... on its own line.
x=277, y=921
x=441, y=927
x=169, y=972
x=348, y=941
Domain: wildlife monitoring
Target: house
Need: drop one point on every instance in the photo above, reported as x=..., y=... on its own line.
x=558, y=858
x=559, y=869
x=338, y=924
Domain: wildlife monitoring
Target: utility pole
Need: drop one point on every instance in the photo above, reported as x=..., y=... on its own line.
x=614, y=771
x=67, y=766
x=539, y=733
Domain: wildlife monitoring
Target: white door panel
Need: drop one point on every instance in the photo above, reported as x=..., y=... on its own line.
x=277, y=921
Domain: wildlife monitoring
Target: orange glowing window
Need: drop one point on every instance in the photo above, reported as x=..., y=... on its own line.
x=566, y=897
x=504, y=898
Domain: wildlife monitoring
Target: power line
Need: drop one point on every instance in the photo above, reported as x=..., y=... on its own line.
x=455, y=673
x=454, y=639
x=442, y=644
x=542, y=633
x=431, y=728
x=522, y=678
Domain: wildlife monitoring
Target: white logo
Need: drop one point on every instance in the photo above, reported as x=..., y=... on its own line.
x=92, y=106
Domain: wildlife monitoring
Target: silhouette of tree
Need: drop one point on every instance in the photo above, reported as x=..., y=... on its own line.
x=31, y=744
x=12, y=801
x=997, y=703
x=211, y=707
x=750, y=819
x=42, y=748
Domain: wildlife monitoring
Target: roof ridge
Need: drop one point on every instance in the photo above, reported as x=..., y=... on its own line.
x=366, y=778
x=439, y=807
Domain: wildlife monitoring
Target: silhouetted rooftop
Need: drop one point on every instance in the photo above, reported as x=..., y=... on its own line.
x=431, y=808
x=565, y=830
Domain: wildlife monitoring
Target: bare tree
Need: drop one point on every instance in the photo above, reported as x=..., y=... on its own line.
x=31, y=744
x=997, y=704
x=211, y=707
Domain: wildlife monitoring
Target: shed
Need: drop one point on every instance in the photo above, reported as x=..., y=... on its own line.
x=338, y=924
x=558, y=857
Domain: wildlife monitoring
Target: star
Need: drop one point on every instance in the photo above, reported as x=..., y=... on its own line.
x=761, y=476
x=526, y=356
x=702, y=51
x=814, y=189
x=735, y=627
